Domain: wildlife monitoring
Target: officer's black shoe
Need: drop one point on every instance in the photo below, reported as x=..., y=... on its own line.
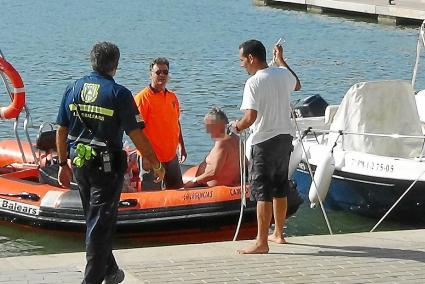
x=116, y=278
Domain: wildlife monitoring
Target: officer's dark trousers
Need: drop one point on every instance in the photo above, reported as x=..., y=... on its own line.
x=99, y=193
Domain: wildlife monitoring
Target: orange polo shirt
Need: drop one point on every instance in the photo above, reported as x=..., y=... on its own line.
x=161, y=113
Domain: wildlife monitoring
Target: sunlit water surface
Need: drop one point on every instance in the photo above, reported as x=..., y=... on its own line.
x=48, y=42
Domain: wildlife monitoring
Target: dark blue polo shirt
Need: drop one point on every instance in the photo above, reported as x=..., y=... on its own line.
x=106, y=107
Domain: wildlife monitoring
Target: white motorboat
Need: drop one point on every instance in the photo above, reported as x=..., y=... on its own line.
x=368, y=152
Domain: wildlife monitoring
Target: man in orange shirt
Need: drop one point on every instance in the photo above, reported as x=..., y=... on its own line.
x=160, y=109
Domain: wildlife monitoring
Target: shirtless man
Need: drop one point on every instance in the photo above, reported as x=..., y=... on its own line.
x=221, y=166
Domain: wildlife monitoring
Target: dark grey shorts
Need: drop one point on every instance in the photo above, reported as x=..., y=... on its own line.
x=268, y=170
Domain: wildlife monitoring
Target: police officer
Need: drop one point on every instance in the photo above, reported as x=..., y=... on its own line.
x=94, y=113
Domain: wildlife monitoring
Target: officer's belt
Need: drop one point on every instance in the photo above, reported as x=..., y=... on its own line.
x=96, y=160
x=86, y=141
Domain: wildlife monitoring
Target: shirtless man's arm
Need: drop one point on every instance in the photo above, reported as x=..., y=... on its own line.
x=214, y=164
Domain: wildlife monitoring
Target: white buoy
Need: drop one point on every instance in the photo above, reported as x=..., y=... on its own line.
x=322, y=179
x=296, y=157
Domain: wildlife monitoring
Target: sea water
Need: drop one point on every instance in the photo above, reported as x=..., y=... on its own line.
x=49, y=42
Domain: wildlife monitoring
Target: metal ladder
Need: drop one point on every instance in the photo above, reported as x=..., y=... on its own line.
x=16, y=122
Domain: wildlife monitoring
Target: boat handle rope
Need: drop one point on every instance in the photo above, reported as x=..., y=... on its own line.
x=131, y=202
x=310, y=171
x=242, y=172
x=23, y=195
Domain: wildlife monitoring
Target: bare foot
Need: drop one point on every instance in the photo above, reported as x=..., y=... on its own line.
x=254, y=249
x=277, y=239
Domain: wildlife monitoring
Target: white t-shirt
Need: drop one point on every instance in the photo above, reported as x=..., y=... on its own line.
x=268, y=93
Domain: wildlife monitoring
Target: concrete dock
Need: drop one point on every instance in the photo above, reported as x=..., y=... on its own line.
x=380, y=257
x=398, y=12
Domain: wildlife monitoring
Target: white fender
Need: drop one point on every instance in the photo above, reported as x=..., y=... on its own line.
x=322, y=178
x=296, y=157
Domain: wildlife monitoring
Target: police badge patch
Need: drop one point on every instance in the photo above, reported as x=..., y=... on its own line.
x=89, y=92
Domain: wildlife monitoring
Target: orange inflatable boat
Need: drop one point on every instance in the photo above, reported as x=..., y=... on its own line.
x=29, y=192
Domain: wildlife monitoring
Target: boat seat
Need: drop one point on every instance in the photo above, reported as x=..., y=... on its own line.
x=49, y=175
x=46, y=142
x=188, y=172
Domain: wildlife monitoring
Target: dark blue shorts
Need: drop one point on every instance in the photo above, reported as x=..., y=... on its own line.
x=268, y=170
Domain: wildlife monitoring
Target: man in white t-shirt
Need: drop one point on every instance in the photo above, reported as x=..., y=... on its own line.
x=266, y=109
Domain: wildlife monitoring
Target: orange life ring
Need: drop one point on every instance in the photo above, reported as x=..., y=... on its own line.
x=18, y=101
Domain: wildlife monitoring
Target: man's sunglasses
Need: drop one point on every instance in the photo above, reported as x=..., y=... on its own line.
x=158, y=72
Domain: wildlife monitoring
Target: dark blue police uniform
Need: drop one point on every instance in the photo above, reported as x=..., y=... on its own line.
x=106, y=109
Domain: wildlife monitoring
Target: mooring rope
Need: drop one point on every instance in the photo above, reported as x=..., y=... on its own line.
x=242, y=171
x=311, y=173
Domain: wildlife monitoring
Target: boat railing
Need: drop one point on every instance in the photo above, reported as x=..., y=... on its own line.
x=26, y=122
x=341, y=133
x=318, y=130
x=395, y=136
x=420, y=45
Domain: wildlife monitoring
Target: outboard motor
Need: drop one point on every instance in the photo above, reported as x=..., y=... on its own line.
x=312, y=106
